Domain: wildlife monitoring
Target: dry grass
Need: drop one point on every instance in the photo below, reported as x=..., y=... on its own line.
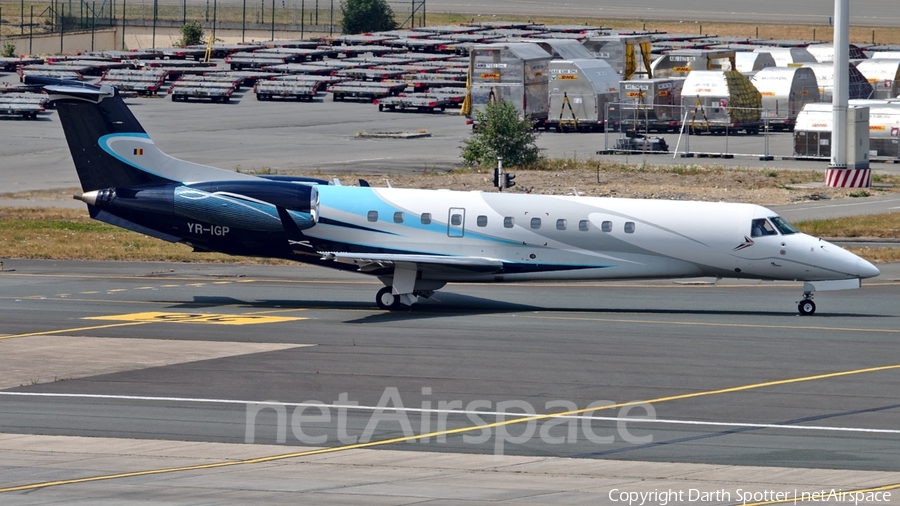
x=66, y=234
x=138, y=10
x=882, y=226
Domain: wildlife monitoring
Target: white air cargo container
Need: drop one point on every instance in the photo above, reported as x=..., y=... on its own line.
x=785, y=56
x=648, y=105
x=565, y=49
x=882, y=74
x=518, y=73
x=859, y=86
x=628, y=54
x=812, y=134
x=680, y=62
x=784, y=92
x=746, y=62
x=720, y=101
x=824, y=53
x=579, y=93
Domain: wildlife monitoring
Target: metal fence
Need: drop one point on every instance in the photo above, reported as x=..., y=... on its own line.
x=694, y=131
x=276, y=16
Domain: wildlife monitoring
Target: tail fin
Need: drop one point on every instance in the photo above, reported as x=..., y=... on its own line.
x=108, y=145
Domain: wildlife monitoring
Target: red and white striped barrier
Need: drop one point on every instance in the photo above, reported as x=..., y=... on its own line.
x=848, y=178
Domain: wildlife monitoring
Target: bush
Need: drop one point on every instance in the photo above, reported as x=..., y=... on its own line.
x=501, y=132
x=9, y=50
x=361, y=16
x=191, y=34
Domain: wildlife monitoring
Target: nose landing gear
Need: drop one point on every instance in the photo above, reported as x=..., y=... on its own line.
x=806, y=306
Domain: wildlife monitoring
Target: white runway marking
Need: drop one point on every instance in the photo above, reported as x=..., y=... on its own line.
x=509, y=415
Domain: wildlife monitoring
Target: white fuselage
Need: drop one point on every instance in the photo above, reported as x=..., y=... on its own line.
x=566, y=237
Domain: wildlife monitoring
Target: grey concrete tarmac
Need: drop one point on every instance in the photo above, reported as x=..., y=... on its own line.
x=321, y=138
x=527, y=344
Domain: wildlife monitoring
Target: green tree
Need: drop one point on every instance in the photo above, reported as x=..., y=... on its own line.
x=362, y=16
x=191, y=34
x=501, y=132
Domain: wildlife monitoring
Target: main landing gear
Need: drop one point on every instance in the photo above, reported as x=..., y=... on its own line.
x=387, y=300
x=806, y=306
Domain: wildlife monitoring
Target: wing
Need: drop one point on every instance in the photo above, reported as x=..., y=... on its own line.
x=368, y=262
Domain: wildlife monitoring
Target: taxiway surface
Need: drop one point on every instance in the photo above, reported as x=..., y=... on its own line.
x=240, y=335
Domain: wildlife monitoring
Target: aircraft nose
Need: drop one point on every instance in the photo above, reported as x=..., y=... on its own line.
x=866, y=269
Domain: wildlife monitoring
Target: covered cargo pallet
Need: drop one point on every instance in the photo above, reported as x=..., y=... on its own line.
x=679, y=62
x=721, y=101
x=882, y=74
x=784, y=92
x=812, y=135
x=647, y=105
x=517, y=73
x=859, y=85
x=627, y=54
x=579, y=93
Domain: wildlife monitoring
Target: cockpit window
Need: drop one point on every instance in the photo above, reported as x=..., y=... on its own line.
x=783, y=226
x=762, y=227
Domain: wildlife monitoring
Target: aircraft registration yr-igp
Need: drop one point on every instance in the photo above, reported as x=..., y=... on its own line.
x=416, y=241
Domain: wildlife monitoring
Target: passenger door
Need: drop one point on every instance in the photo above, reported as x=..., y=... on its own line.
x=456, y=222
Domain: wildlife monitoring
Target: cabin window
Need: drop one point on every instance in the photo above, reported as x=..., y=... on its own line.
x=606, y=226
x=561, y=224
x=456, y=220
x=535, y=223
x=481, y=221
x=509, y=221
x=584, y=225
x=372, y=216
x=426, y=218
x=761, y=228
x=398, y=217
x=629, y=227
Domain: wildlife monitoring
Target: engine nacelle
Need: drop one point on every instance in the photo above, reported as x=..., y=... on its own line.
x=259, y=206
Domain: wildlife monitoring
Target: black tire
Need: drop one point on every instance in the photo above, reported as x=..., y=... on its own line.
x=386, y=299
x=807, y=307
x=380, y=107
x=225, y=100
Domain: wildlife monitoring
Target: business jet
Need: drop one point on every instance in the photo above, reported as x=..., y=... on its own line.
x=416, y=241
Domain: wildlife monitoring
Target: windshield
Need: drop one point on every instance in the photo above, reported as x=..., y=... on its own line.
x=783, y=226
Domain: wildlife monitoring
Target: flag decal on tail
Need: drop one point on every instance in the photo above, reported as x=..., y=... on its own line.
x=138, y=151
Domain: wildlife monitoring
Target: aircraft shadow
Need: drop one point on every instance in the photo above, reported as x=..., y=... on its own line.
x=445, y=304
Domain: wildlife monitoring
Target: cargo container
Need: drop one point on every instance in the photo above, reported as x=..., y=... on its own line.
x=785, y=56
x=517, y=73
x=747, y=62
x=784, y=92
x=882, y=74
x=824, y=53
x=579, y=93
x=648, y=105
x=859, y=86
x=561, y=49
x=812, y=134
x=717, y=101
x=679, y=62
x=627, y=54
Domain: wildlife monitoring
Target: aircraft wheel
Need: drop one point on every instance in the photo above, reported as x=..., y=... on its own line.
x=386, y=299
x=807, y=307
